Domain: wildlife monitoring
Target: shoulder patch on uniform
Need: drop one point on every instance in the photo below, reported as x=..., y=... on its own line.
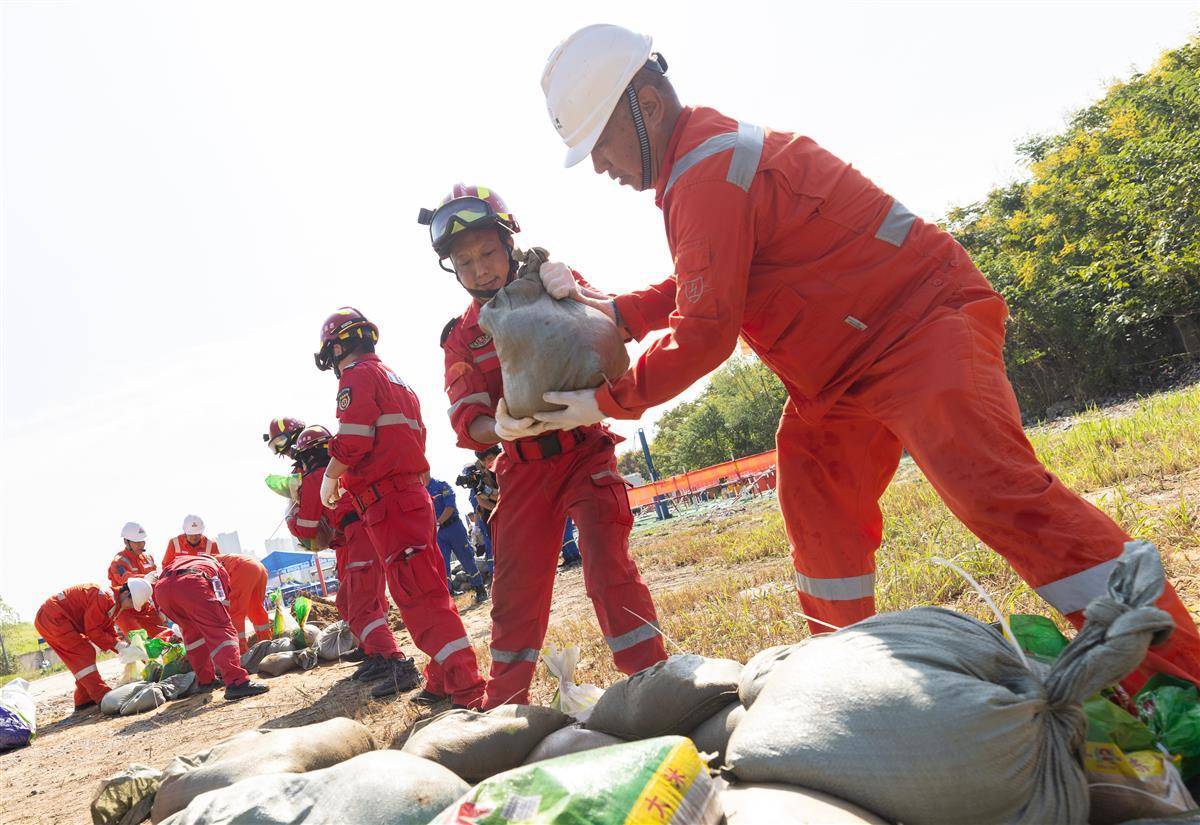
x=395, y=379
x=481, y=342
x=343, y=399
x=446, y=330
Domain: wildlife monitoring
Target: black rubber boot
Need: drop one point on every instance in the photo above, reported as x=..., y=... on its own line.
x=429, y=699
x=402, y=675
x=373, y=667
x=356, y=655
x=481, y=594
x=208, y=687
x=240, y=690
x=85, y=707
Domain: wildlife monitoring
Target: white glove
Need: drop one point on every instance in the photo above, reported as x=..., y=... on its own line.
x=558, y=280
x=510, y=429
x=330, y=491
x=581, y=410
x=121, y=645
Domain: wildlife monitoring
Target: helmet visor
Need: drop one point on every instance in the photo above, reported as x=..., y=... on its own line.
x=460, y=214
x=280, y=443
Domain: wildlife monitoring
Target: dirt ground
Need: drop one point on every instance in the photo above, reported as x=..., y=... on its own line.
x=54, y=779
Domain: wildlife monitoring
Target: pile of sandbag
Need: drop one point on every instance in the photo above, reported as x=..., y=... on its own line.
x=258, y=753
x=335, y=641
x=140, y=697
x=546, y=345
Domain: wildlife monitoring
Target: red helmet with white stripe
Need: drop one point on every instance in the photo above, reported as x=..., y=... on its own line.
x=281, y=434
x=312, y=437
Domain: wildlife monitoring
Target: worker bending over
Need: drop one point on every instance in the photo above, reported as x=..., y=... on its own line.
x=247, y=596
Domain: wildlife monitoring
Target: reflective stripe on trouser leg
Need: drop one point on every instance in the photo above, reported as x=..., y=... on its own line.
x=79, y=674
x=528, y=654
x=461, y=643
x=227, y=643
x=1074, y=592
x=373, y=626
x=638, y=635
x=842, y=589
x=194, y=645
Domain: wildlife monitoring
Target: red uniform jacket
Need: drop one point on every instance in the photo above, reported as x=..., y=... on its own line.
x=380, y=433
x=305, y=520
x=180, y=547
x=129, y=564
x=91, y=610
x=207, y=565
x=473, y=382
x=776, y=239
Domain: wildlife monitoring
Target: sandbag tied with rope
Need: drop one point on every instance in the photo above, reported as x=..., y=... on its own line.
x=930, y=716
x=545, y=345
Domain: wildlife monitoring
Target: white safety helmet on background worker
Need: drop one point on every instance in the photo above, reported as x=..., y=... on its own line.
x=132, y=531
x=193, y=526
x=586, y=78
x=139, y=592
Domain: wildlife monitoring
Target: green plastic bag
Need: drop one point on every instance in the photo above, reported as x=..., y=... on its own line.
x=301, y=607
x=154, y=647
x=1170, y=708
x=1108, y=723
x=1038, y=636
x=661, y=780
x=285, y=486
x=138, y=634
x=174, y=661
x=277, y=624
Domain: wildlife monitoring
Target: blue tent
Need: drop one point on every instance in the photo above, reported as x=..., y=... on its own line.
x=282, y=559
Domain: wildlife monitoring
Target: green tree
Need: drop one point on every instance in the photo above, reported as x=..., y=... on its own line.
x=8, y=618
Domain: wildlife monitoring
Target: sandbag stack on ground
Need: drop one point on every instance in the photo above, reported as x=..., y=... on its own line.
x=140, y=697
x=571, y=739
x=376, y=788
x=126, y=797
x=257, y=753
x=788, y=805
x=929, y=716
x=546, y=345
x=712, y=735
x=759, y=668
x=279, y=663
x=335, y=641
x=476, y=744
x=252, y=658
x=671, y=697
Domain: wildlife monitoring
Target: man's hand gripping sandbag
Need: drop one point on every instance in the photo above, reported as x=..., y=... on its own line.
x=546, y=345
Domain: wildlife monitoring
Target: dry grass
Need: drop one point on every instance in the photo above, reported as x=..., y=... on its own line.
x=1138, y=465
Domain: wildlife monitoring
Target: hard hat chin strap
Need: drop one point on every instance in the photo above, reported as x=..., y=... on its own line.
x=639, y=126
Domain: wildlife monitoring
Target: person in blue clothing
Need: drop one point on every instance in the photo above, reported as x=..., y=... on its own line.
x=570, y=550
x=452, y=536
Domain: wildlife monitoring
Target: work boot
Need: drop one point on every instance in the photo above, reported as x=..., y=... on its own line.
x=356, y=655
x=240, y=690
x=481, y=594
x=373, y=667
x=208, y=687
x=568, y=565
x=428, y=699
x=85, y=707
x=401, y=675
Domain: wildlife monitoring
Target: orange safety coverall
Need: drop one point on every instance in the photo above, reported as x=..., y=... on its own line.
x=73, y=620
x=129, y=564
x=194, y=592
x=179, y=546
x=247, y=591
x=887, y=337
x=542, y=481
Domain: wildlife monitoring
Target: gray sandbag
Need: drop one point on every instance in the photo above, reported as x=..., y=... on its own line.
x=546, y=345
x=311, y=634
x=929, y=716
x=476, y=744
x=146, y=698
x=712, y=735
x=278, y=664
x=788, y=805
x=256, y=753
x=125, y=797
x=252, y=658
x=571, y=739
x=670, y=697
x=110, y=705
x=179, y=686
x=335, y=641
x=760, y=666
x=377, y=788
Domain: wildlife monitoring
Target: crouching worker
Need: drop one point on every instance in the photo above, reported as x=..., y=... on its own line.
x=135, y=562
x=378, y=457
x=247, y=593
x=74, y=619
x=193, y=593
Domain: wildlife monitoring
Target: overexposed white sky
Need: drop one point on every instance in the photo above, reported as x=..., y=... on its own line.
x=189, y=189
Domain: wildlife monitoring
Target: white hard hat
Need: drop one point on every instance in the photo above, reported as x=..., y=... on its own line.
x=193, y=526
x=139, y=592
x=132, y=531
x=584, y=80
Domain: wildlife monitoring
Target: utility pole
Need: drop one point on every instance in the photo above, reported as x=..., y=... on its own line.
x=661, y=509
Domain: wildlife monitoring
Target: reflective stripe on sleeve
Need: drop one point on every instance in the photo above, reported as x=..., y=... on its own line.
x=450, y=648
x=354, y=565
x=636, y=636
x=526, y=654
x=607, y=474
x=746, y=154
x=262, y=627
x=896, y=224
x=392, y=419
x=837, y=590
x=307, y=522
x=717, y=143
x=226, y=643
x=487, y=356
x=356, y=429
x=79, y=674
x=375, y=625
x=1075, y=592
x=473, y=398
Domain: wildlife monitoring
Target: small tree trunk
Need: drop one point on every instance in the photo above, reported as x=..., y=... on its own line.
x=1189, y=332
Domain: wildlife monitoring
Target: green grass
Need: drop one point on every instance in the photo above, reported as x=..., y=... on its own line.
x=745, y=601
x=20, y=638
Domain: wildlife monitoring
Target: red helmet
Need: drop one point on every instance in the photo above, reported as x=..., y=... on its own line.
x=466, y=207
x=311, y=437
x=346, y=326
x=281, y=433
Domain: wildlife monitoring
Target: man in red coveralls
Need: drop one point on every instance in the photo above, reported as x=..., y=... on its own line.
x=135, y=562
x=246, y=594
x=378, y=459
x=361, y=595
x=544, y=476
x=77, y=617
x=191, y=541
x=193, y=591
x=884, y=332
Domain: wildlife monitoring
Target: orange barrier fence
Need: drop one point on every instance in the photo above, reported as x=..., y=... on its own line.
x=696, y=480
